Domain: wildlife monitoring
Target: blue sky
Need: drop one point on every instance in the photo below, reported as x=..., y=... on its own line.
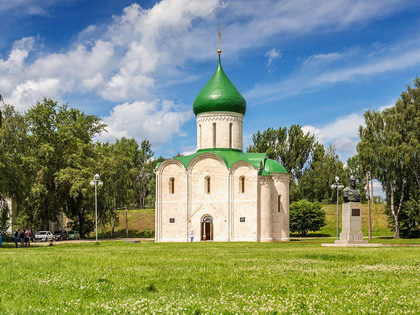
x=139, y=65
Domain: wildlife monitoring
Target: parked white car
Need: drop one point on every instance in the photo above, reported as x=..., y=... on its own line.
x=43, y=236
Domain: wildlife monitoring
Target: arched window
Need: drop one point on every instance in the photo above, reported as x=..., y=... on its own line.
x=278, y=203
x=242, y=184
x=171, y=185
x=214, y=135
x=230, y=135
x=207, y=184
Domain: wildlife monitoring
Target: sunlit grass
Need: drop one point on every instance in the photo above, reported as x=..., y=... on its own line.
x=230, y=278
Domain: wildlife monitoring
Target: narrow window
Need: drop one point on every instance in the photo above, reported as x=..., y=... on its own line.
x=278, y=203
x=172, y=185
x=200, y=134
x=242, y=184
x=214, y=135
x=230, y=135
x=207, y=185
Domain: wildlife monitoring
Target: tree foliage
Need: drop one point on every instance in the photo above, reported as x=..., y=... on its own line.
x=313, y=167
x=48, y=158
x=291, y=147
x=306, y=216
x=390, y=148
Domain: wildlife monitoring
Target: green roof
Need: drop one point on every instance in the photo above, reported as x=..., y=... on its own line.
x=232, y=156
x=219, y=95
x=271, y=166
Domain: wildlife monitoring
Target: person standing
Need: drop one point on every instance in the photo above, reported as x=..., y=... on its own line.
x=1, y=238
x=26, y=237
x=22, y=238
x=192, y=236
x=16, y=238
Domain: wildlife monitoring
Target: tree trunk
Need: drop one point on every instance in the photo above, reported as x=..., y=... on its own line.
x=394, y=214
x=112, y=225
x=397, y=228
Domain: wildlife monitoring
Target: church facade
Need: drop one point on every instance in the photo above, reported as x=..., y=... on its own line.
x=221, y=193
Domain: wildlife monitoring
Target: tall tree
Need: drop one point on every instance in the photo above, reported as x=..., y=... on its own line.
x=291, y=147
x=144, y=173
x=390, y=146
x=60, y=158
x=315, y=184
x=14, y=180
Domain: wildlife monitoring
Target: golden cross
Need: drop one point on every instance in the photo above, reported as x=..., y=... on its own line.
x=219, y=34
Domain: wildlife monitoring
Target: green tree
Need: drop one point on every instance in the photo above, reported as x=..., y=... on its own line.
x=291, y=147
x=14, y=179
x=315, y=183
x=410, y=218
x=306, y=216
x=151, y=185
x=145, y=174
x=60, y=160
x=390, y=146
x=4, y=214
x=294, y=149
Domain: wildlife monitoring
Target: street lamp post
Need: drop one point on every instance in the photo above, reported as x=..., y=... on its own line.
x=337, y=185
x=96, y=181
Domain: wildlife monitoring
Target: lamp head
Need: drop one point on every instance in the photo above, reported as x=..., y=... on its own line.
x=96, y=177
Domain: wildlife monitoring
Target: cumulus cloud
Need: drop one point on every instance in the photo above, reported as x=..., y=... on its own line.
x=143, y=49
x=155, y=121
x=343, y=133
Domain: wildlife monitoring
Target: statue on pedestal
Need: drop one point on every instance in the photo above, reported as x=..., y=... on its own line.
x=350, y=193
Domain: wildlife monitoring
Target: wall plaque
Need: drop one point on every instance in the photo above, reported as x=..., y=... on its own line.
x=242, y=219
x=171, y=220
x=355, y=212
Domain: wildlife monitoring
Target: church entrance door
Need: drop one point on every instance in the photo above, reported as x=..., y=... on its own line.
x=207, y=228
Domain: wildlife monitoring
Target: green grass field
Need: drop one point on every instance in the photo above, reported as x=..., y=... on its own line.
x=299, y=277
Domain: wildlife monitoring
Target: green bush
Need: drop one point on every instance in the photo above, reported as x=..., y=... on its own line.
x=306, y=216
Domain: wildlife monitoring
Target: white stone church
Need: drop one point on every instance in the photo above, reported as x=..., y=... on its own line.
x=221, y=193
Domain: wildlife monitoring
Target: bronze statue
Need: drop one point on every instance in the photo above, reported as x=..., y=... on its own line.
x=351, y=194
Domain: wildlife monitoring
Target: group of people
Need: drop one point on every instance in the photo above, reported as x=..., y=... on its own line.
x=23, y=236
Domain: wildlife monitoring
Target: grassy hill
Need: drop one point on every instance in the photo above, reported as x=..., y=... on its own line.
x=141, y=223
x=379, y=221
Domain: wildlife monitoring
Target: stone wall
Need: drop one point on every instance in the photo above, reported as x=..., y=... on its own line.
x=222, y=120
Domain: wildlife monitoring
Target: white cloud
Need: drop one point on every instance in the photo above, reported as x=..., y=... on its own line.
x=321, y=71
x=144, y=49
x=343, y=133
x=272, y=55
x=155, y=121
x=25, y=7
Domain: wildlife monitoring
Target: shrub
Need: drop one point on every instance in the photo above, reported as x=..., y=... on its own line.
x=306, y=216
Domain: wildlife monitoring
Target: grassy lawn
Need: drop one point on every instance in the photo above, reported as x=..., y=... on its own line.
x=299, y=277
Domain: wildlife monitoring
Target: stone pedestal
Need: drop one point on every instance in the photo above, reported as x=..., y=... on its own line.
x=351, y=224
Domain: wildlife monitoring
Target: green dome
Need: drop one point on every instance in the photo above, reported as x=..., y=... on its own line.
x=272, y=166
x=219, y=95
